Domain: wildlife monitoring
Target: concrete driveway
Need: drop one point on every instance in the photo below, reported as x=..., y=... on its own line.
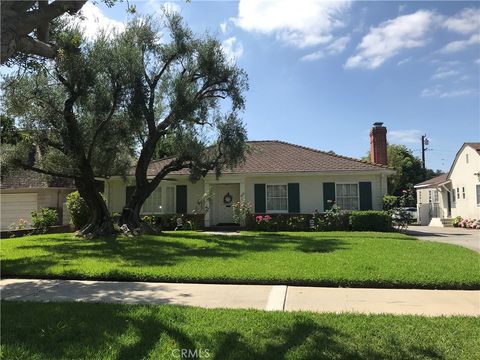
x=468, y=238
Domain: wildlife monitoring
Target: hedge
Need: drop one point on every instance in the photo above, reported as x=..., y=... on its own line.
x=370, y=220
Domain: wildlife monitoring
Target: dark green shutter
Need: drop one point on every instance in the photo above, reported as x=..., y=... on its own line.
x=181, y=199
x=293, y=198
x=128, y=193
x=365, y=195
x=328, y=195
x=260, y=201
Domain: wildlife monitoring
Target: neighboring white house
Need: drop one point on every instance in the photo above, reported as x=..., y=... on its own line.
x=457, y=193
x=277, y=177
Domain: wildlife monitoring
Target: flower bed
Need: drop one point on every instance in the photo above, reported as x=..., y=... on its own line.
x=466, y=223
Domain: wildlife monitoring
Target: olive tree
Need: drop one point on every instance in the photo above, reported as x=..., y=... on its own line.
x=184, y=99
x=72, y=112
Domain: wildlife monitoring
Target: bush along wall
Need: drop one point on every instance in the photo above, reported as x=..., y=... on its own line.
x=331, y=220
x=170, y=221
x=370, y=220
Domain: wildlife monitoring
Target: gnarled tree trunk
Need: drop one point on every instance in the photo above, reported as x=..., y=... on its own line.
x=131, y=212
x=99, y=222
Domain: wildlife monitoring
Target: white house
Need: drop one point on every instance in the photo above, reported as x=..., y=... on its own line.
x=457, y=193
x=277, y=177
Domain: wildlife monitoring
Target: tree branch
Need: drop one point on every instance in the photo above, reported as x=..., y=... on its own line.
x=38, y=18
x=29, y=45
x=47, y=172
x=102, y=124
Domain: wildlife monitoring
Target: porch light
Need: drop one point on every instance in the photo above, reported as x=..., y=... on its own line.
x=478, y=175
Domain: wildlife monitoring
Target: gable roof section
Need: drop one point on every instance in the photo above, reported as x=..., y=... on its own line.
x=437, y=180
x=23, y=179
x=473, y=145
x=274, y=156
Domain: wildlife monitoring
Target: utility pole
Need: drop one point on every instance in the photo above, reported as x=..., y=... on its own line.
x=424, y=148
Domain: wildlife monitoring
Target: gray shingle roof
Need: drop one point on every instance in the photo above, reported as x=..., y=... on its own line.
x=433, y=182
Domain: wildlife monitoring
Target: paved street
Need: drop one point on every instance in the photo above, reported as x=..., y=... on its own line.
x=263, y=297
x=468, y=238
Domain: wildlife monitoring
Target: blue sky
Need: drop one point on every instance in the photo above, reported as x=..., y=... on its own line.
x=321, y=73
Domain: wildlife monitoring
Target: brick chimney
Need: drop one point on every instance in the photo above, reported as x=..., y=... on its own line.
x=378, y=144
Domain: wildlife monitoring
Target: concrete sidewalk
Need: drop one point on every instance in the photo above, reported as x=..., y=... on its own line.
x=263, y=297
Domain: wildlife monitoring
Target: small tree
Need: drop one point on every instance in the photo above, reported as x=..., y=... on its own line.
x=178, y=90
x=408, y=169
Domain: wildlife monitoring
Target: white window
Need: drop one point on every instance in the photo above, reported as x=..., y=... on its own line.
x=435, y=196
x=466, y=157
x=153, y=204
x=347, y=196
x=463, y=192
x=452, y=195
x=458, y=193
x=420, y=196
x=277, y=198
x=478, y=195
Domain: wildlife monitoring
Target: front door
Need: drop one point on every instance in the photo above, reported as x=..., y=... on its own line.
x=225, y=195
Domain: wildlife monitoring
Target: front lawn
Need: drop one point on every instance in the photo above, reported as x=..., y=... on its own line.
x=328, y=259
x=103, y=331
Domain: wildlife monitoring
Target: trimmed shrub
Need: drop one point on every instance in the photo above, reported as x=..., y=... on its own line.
x=79, y=213
x=169, y=221
x=336, y=219
x=389, y=202
x=370, y=220
x=44, y=219
x=456, y=221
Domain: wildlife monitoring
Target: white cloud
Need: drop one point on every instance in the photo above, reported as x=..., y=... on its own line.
x=336, y=47
x=224, y=27
x=391, y=37
x=405, y=136
x=92, y=21
x=172, y=7
x=302, y=24
x=404, y=61
x=460, y=45
x=438, y=91
x=155, y=6
x=477, y=61
x=442, y=74
x=232, y=48
x=466, y=21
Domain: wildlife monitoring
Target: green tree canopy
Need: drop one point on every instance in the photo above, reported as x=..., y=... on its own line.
x=185, y=96
x=408, y=167
x=72, y=111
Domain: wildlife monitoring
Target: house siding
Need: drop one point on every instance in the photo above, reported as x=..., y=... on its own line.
x=462, y=176
x=46, y=198
x=311, y=188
